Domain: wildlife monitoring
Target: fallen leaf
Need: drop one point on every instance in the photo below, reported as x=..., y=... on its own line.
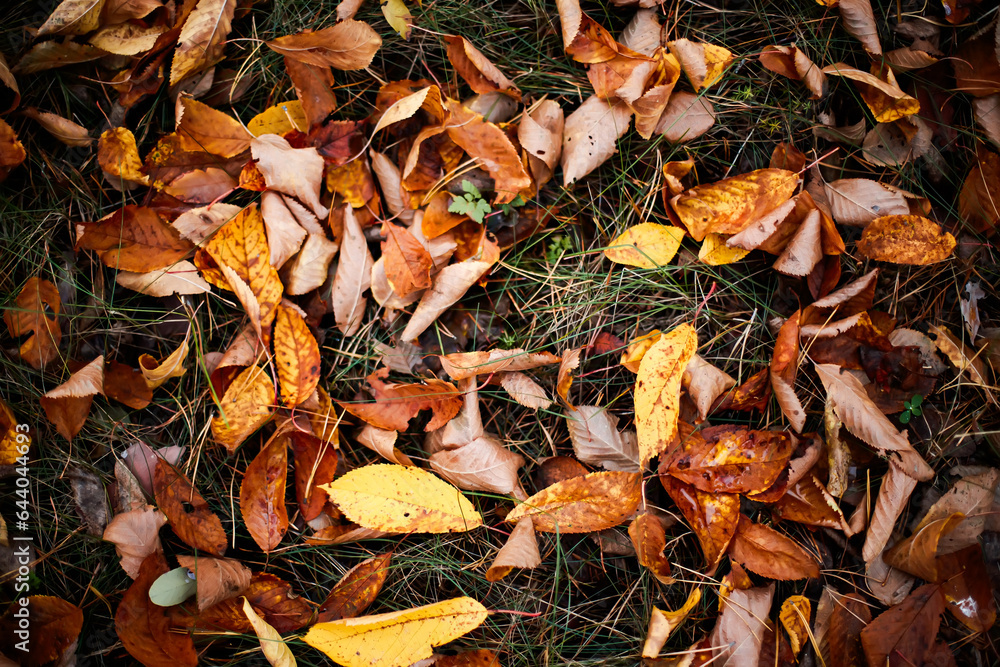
x=907, y=630
x=647, y=245
x=703, y=63
x=889, y=585
x=729, y=459
x=848, y=616
x=715, y=251
x=157, y=373
x=126, y=385
x=959, y=354
x=54, y=53
x=860, y=415
x=198, y=224
x=972, y=496
x=589, y=136
x=663, y=623
x=141, y=462
x=489, y=147
x=353, y=276
x=244, y=408
x=859, y=201
x=218, y=578
x=309, y=269
x=450, y=285
x=967, y=590
x=283, y=117
x=784, y=369
x=712, y=516
x=540, y=134
x=397, y=16
x=31, y=314
x=134, y=238
x=704, y=384
x=398, y=638
x=893, y=495
x=792, y=62
x=135, y=535
x=658, y=387
x=383, y=442
x=200, y=128
x=407, y=263
x=794, y=617
x=463, y=365
x=356, y=590
x=55, y=627
x=297, y=172
x=68, y=405
x=917, y=554
x=73, y=17
x=314, y=88
x=63, y=129
x=315, y=464
x=296, y=356
x=12, y=151
x=883, y=96
x=396, y=404
x=262, y=495
x=477, y=71
x=906, y=239
x=187, y=511
x=524, y=390
x=202, y=38
x=520, y=550
x=348, y=45
x=597, y=440
x=859, y=22
x=272, y=598
x=739, y=632
x=481, y=465
x=582, y=504
x=649, y=540
x=402, y=499
x=274, y=649
x=179, y=278
x=686, y=117
x=807, y=502
x=767, y=552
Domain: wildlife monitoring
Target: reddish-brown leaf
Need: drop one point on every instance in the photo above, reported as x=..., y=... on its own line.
x=144, y=628
x=407, y=263
x=187, y=512
x=481, y=75
x=906, y=632
x=649, y=540
x=849, y=617
x=68, y=405
x=314, y=88
x=784, y=368
x=769, y=553
x=35, y=311
x=262, y=495
x=917, y=554
x=126, y=385
x=807, y=502
x=315, y=464
x=134, y=238
x=53, y=627
x=396, y=404
x=753, y=394
x=357, y=589
x=967, y=590
x=712, y=516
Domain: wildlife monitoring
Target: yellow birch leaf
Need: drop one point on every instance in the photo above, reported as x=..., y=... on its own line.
x=274, y=648
x=794, y=616
x=279, y=119
x=402, y=499
x=647, y=245
x=398, y=638
x=715, y=252
x=585, y=504
x=156, y=373
x=246, y=406
x=658, y=390
x=296, y=354
x=663, y=623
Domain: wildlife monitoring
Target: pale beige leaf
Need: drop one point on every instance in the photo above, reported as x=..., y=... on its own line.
x=202, y=38
x=929, y=359
x=858, y=201
x=739, y=631
x=642, y=34
x=402, y=358
x=889, y=585
x=465, y=427
x=663, y=623
x=382, y=442
x=597, y=440
x=493, y=107
x=462, y=365
x=687, y=117
x=126, y=39
x=848, y=292
x=271, y=645
x=859, y=21
x=135, y=535
x=87, y=381
x=987, y=112
x=963, y=358
x=73, y=17
x=540, y=133
x=763, y=227
x=570, y=19
x=972, y=496
x=284, y=234
x=198, y=224
x=63, y=129
x=450, y=285
x=893, y=495
x=246, y=297
x=293, y=171
x=482, y=465
x=347, y=9
x=520, y=550
x=524, y=390
x=830, y=329
x=310, y=267
x=347, y=45
x=383, y=293
x=805, y=250
x=860, y=415
x=218, y=578
x=401, y=109
x=391, y=181
x=589, y=136
x=180, y=278
x=353, y=277
x=705, y=383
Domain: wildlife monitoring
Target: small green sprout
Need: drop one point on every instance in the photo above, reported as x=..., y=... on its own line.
x=471, y=203
x=912, y=409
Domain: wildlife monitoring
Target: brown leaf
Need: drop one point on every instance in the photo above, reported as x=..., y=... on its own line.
x=309, y=269
x=849, y=616
x=520, y=550
x=201, y=186
x=481, y=465
x=396, y=404
x=967, y=588
x=863, y=419
x=524, y=390
x=784, y=368
x=703, y=63
x=882, y=94
x=245, y=407
x=202, y=128
x=134, y=238
x=792, y=62
x=917, y=554
x=589, y=136
x=202, y=38
x=481, y=75
x=906, y=631
x=712, y=516
x=972, y=496
x=353, y=276
x=296, y=356
x=906, y=239
x=68, y=405
x=892, y=497
x=686, y=117
x=663, y=623
x=597, y=441
x=649, y=540
x=218, y=578
x=966, y=360
x=729, y=459
x=144, y=628
x=54, y=53
x=407, y=263
x=269, y=596
x=739, y=632
x=754, y=393
x=807, y=502
x=450, y=285
x=858, y=201
x=314, y=88
x=315, y=464
x=12, y=151
x=63, y=129
x=859, y=22
x=558, y=468
x=348, y=45
x=126, y=385
x=582, y=504
x=135, y=535
x=704, y=384
x=976, y=203
x=356, y=590
x=187, y=511
x=462, y=365
x=179, y=278
x=770, y=554
x=262, y=495
x=73, y=17
x=54, y=630
x=35, y=311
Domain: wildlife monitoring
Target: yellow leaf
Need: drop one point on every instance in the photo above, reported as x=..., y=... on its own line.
x=658, y=390
x=171, y=367
x=397, y=16
x=13, y=443
x=794, y=616
x=279, y=119
x=585, y=504
x=646, y=245
x=715, y=252
x=246, y=406
x=663, y=623
x=883, y=96
x=275, y=650
x=296, y=354
x=398, y=638
x=638, y=348
x=401, y=499
x=118, y=156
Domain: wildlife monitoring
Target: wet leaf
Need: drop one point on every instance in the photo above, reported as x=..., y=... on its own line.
x=586, y=504
x=767, y=552
x=730, y=459
x=907, y=630
x=712, y=516
x=262, y=495
x=784, y=369
x=649, y=540
x=53, y=635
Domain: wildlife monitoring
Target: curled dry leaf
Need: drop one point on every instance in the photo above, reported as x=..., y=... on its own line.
x=30, y=314
x=647, y=245
x=489, y=147
x=792, y=62
x=218, y=578
x=402, y=499
x=959, y=354
x=396, y=404
x=859, y=22
x=135, y=535
x=704, y=384
x=63, y=129
x=180, y=278
x=297, y=172
x=118, y=156
x=882, y=95
x=715, y=251
x=481, y=75
x=353, y=276
x=540, y=133
x=712, y=516
x=245, y=407
x=309, y=269
x=12, y=151
x=262, y=495
x=269, y=596
x=383, y=442
x=524, y=390
x=649, y=540
x=739, y=632
x=703, y=63
x=807, y=502
x=918, y=554
x=520, y=550
x=767, y=552
x=889, y=585
x=398, y=638
x=348, y=45
x=274, y=649
x=589, y=136
x=198, y=224
x=862, y=418
x=663, y=623
x=893, y=495
x=586, y=504
x=202, y=38
x=973, y=496
x=407, y=263
x=356, y=590
x=906, y=239
x=463, y=365
x=658, y=387
x=450, y=285
x=284, y=234
x=198, y=527
x=482, y=465
x=68, y=405
x=784, y=369
x=597, y=440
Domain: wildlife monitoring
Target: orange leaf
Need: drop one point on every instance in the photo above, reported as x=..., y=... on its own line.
x=407, y=263
x=68, y=405
x=314, y=88
x=649, y=540
x=712, y=516
x=202, y=128
x=918, y=553
x=135, y=239
x=55, y=625
x=296, y=355
x=730, y=459
x=967, y=588
x=348, y=45
x=315, y=464
x=396, y=404
x=481, y=75
x=784, y=368
x=198, y=527
x=356, y=590
x=126, y=385
x=906, y=631
x=30, y=314
x=12, y=151
x=245, y=407
x=807, y=502
x=769, y=553
x=596, y=501
x=906, y=239
x=262, y=495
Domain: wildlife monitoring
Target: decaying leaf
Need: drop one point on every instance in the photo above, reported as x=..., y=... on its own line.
x=135, y=535
x=589, y=136
x=663, y=623
x=356, y=590
x=712, y=516
x=597, y=440
x=767, y=552
x=794, y=617
x=30, y=314
x=198, y=527
x=586, y=504
x=218, y=578
x=906, y=239
x=649, y=540
x=68, y=405
x=729, y=459
x=348, y=45
x=262, y=495
x=275, y=650
x=657, y=390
